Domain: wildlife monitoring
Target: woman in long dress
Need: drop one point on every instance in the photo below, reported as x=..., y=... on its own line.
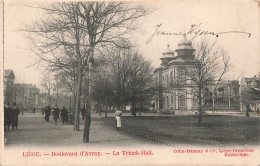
x=118, y=115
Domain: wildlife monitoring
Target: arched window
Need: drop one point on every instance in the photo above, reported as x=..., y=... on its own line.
x=182, y=101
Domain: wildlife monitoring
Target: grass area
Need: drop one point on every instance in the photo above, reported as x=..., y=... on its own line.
x=214, y=130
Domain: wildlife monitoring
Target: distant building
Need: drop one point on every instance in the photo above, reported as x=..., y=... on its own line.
x=27, y=96
x=176, y=91
x=9, y=86
x=251, y=89
x=253, y=82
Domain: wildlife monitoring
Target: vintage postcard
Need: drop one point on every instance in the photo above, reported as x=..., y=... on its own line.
x=130, y=82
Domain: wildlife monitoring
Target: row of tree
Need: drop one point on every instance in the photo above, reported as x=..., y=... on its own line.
x=123, y=77
x=68, y=34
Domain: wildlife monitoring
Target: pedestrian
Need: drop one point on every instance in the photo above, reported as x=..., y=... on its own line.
x=64, y=114
x=47, y=113
x=33, y=110
x=56, y=114
x=16, y=113
x=83, y=112
x=7, y=117
x=118, y=115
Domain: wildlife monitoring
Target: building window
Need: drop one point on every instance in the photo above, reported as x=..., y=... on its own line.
x=181, y=78
x=182, y=101
x=195, y=101
x=171, y=79
x=167, y=103
x=172, y=101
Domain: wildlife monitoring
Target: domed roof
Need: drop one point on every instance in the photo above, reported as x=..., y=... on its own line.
x=185, y=44
x=184, y=47
x=168, y=53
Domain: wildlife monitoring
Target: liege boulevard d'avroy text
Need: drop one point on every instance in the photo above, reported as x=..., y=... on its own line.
x=90, y=153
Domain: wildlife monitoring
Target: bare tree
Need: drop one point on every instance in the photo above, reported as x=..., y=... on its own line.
x=140, y=81
x=104, y=84
x=209, y=65
x=61, y=44
x=46, y=83
x=126, y=75
x=107, y=23
x=68, y=34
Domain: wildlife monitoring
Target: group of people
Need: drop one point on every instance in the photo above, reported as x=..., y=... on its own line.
x=11, y=114
x=63, y=112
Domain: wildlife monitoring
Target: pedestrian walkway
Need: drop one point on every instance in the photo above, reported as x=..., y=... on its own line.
x=33, y=130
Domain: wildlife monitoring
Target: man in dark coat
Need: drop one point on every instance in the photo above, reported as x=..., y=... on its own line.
x=83, y=112
x=64, y=114
x=7, y=116
x=56, y=114
x=47, y=112
x=15, y=114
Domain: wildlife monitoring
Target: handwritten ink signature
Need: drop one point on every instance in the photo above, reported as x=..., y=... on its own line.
x=194, y=30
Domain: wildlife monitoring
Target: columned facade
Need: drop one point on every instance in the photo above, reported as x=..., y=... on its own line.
x=175, y=91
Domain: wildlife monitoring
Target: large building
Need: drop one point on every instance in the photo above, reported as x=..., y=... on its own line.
x=27, y=96
x=9, y=86
x=175, y=90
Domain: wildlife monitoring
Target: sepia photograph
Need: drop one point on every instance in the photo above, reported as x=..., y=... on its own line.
x=130, y=82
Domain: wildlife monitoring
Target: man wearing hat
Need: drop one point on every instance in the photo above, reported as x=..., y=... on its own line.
x=56, y=114
x=7, y=116
x=47, y=112
x=15, y=114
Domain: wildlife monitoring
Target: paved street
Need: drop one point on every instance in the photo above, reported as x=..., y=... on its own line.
x=33, y=130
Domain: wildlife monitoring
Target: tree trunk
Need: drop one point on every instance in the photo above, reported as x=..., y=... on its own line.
x=89, y=96
x=200, y=106
x=57, y=96
x=49, y=97
x=77, y=110
x=247, y=110
x=99, y=108
x=74, y=104
x=134, y=108
x=200, y=115
x=87, y=122
x=141, y=104
x=106, y=107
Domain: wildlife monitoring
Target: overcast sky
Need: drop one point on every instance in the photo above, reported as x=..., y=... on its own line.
x=175, y=16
